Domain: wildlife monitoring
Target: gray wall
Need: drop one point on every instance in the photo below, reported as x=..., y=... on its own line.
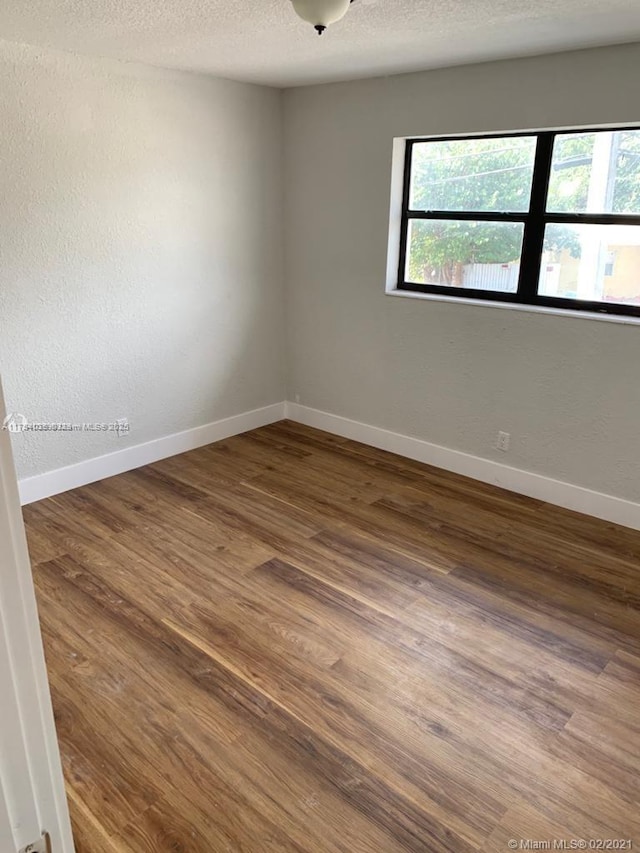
x=140, y=263
x=566, y=389
x=140, y=250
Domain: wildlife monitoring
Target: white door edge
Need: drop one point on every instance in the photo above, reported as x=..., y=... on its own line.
x=30, y=771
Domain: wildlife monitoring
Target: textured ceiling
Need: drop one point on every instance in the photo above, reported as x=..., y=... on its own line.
x=264, y=42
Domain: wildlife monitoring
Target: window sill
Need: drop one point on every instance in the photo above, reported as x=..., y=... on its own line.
x=517, y=306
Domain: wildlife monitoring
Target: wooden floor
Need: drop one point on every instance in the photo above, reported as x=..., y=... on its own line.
x=288, y=641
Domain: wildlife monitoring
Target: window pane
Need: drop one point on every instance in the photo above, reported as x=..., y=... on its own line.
x=478, y=255
x=600, y=263
x=473, y=174
x=595, y=173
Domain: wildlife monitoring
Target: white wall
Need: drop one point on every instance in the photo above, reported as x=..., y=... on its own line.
x=140, y=250
x=566, y=389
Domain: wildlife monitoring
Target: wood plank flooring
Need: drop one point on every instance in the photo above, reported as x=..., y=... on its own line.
x=291, y=642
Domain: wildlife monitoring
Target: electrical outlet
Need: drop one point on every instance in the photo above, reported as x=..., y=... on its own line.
x=296, y=398
x=503, y=441
x=122, y=427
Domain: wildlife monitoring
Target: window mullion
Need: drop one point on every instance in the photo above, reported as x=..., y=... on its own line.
x=535, y=222
x=467, y=215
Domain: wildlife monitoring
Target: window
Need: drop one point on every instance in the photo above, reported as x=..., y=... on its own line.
x=547, y=219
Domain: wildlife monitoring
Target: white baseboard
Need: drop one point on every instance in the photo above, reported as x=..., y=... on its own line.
x=537, y=486
x=89, y=471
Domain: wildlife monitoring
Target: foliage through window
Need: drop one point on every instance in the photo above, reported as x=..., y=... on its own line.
x=548, y=218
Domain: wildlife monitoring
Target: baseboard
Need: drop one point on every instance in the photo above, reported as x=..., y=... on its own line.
x=89, y=471
x=568, y=495
x=537, y=486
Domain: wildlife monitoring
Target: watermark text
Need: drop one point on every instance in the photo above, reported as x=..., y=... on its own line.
x=16, y=423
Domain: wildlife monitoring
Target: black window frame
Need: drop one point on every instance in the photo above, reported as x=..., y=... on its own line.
x=534, y=220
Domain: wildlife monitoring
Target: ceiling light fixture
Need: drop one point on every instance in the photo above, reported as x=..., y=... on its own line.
x=321, y=13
